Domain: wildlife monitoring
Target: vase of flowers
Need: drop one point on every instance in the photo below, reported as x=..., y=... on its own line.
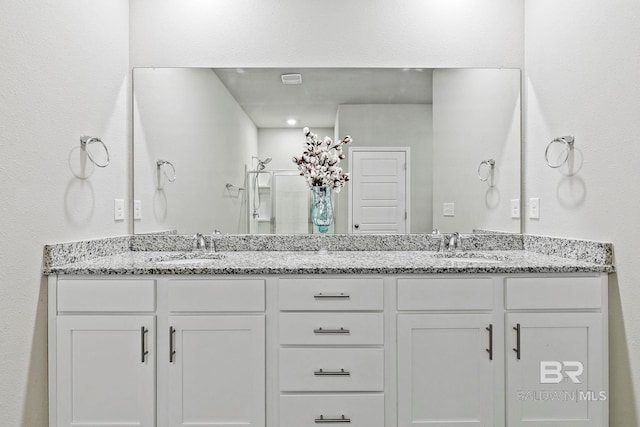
x=320, y=166
x=322, y=208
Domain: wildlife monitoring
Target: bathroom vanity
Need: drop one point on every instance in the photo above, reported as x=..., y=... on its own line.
x=292, y=339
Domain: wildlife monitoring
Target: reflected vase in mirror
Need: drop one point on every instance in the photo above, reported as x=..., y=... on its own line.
x=322, y=211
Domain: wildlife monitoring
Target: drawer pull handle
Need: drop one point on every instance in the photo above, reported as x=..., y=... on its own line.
x=340, y=373
x=341, y=295
x=323, y=420
x=490, y=349
x=172, y=351
x=517, y=349
x=143, y=343
x=341, y=331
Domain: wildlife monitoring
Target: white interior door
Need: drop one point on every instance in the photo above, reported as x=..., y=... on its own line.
x=379, y=202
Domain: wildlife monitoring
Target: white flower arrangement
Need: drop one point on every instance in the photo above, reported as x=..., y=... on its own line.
x=319, y=163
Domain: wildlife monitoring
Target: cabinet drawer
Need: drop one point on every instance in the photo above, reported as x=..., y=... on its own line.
x=106, y=295
x=331, y=328
x=344, y=369
x=308, y=410
x=331, y=294
x=445, y=294
x=553, y=293
x=216, y=295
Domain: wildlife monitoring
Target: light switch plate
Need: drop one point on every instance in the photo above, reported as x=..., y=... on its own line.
x=534, y=208
x=448, y=209
x=515, y=208
x=137, y=209
x=118, y=209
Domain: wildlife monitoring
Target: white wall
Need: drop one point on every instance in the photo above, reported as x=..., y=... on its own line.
x=328, y=33
x=476, y=117
x=582, y=79
x=397, y=125
x=283, y=144
x=64, y=73
x=188, y=117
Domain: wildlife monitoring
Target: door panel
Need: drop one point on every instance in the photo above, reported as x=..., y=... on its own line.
x=103, y=377
x=217, y=376
x=445, y=376
x=378, y=192
x=566, y=343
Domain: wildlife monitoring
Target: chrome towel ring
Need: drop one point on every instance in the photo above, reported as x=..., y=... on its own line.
x=87, y=140
x=230, y=186
x=490, y=163
x=161, y=163
x=565, y=140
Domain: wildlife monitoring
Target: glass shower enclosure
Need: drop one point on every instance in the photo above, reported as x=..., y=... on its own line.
x=277, y=203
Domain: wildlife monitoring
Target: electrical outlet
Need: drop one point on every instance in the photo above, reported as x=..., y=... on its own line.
x=515, y=208
x=534, y=208
x=118, y=209
x=137, y=209
x=448, y=209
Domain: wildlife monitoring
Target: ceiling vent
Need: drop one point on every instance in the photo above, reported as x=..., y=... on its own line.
x=291, y=79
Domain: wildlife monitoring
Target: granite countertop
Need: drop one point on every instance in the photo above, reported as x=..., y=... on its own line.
x=337, y=262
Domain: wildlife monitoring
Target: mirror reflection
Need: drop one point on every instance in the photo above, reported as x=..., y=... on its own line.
x=432, y=148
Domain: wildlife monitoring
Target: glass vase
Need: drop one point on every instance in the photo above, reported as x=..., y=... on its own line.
x=322, y=211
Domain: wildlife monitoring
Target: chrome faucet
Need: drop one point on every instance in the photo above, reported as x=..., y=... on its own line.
x=455, y=241
x=214, y=238
x=199, y=244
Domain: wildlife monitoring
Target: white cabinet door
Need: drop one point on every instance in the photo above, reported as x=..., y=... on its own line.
x=445, y=375
x=559, y=376
x=217, y=373
x=105, y=371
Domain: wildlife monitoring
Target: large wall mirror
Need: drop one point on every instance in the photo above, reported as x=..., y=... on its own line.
x=213, y=148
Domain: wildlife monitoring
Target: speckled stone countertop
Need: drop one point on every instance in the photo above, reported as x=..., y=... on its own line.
x=144, y=255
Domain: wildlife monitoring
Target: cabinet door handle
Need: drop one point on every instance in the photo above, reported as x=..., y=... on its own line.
x=490, y=349
x=143, y=343
x=341, y=331
x=341, y=295
x=517, y=349
x=340, y=373
x=322, y=420
x=172, y=351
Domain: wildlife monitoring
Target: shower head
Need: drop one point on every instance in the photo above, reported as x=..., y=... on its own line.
x=262, y=163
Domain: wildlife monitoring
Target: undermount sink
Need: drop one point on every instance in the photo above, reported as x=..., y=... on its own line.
x=191, y=261
x=186, y=258
x=471, y=257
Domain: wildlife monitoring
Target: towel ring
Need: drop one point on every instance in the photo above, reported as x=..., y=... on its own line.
x=230, y=186
x=86, y=140
x=568, y=141
x=491, y=163
x=161, y=163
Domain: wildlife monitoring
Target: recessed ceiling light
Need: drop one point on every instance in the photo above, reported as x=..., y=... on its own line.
x=291, y=122
x=291, y=79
